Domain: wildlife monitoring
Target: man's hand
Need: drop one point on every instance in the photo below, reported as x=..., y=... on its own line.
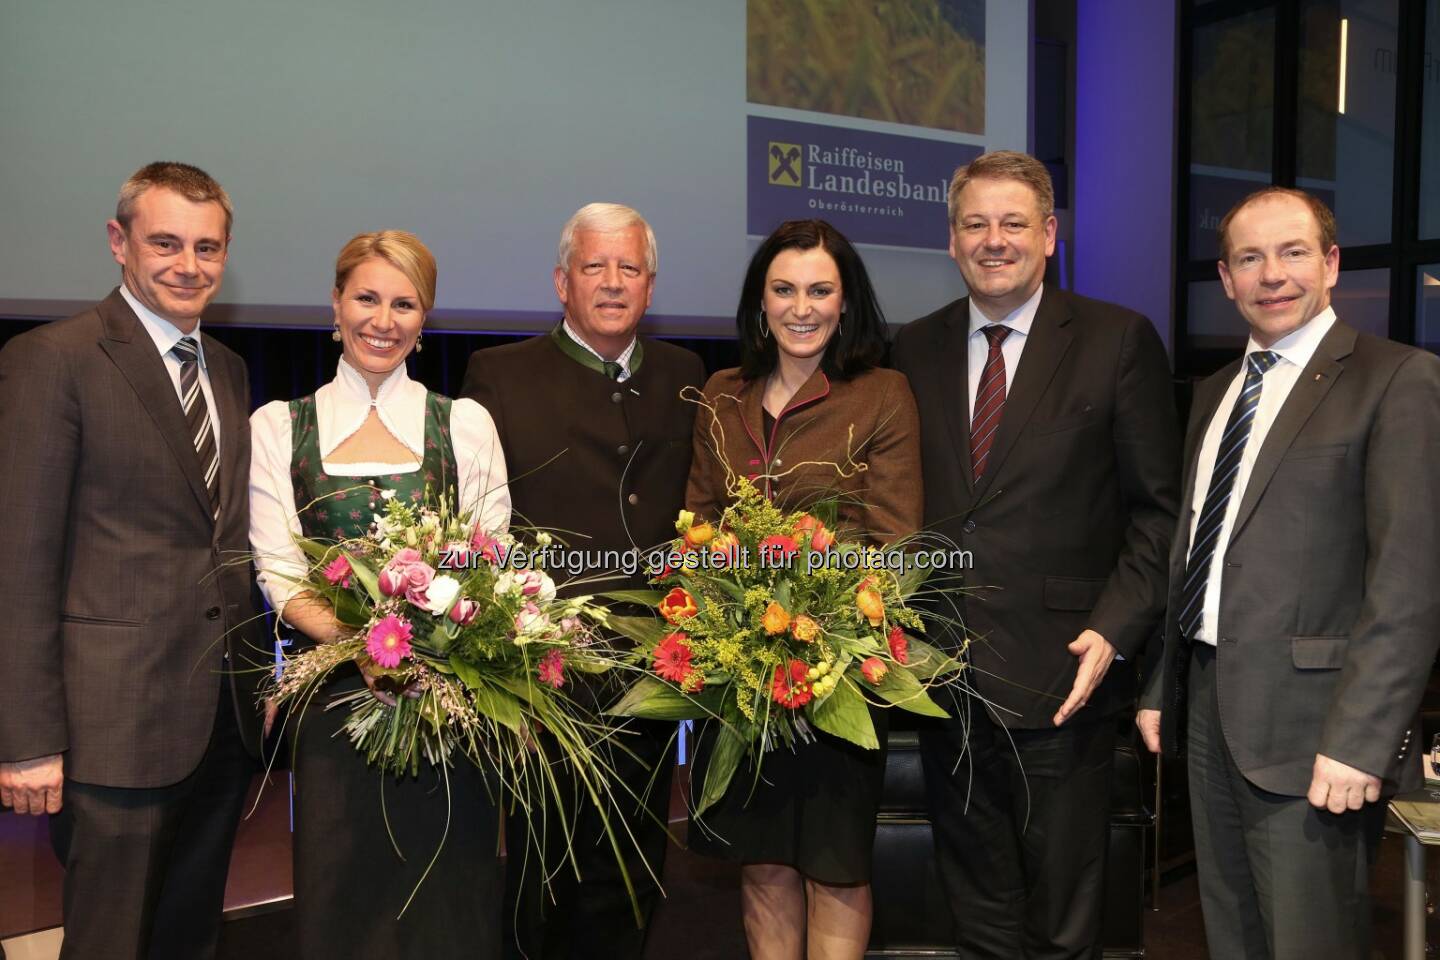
x=1149, y=723
x=1338, y=787
x=1095, y=655
x=33, y=786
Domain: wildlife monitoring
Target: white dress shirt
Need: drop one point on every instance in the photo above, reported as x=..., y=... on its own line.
x=166, y=335
x=1019, y=321
x=623, y=359
x=1295, y=350
x=341, y=408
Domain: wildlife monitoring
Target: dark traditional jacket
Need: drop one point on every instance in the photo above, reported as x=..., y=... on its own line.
x=600, y=463
x=859, y=438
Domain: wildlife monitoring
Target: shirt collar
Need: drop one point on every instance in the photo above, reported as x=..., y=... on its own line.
x=1299, y=345
x=162, y=331
x=623, y=359
x=1018, y=320
x=343, y=404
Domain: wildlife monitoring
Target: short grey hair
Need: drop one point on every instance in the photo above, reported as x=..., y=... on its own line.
x=605, y=218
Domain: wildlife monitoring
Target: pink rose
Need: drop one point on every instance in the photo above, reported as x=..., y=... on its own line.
x=417, y=578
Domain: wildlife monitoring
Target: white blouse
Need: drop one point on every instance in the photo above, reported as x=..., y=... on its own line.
x=341, y=408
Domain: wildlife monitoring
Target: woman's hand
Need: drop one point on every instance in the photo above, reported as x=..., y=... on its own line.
x=383, y=686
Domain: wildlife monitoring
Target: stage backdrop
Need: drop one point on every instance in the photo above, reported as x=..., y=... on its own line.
x=482, y=126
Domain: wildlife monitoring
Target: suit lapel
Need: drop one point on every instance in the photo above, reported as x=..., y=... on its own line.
x=231, y=417
x=1044, y=349
x=1315, y=382
x=133, y=352
x=953, y=356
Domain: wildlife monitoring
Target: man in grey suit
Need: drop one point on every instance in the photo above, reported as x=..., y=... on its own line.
x=1303, y=616
x=127, y=705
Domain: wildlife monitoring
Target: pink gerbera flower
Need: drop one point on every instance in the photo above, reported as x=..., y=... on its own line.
x=552, y=669
x=389, y=641
x=338, y=571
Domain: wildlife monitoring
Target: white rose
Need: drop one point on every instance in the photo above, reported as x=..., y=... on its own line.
x=441, y=593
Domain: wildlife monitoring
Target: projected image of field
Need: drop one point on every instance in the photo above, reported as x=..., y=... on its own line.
x=906, y=61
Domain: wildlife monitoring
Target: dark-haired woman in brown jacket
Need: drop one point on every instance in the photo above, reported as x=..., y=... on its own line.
x=808, y=415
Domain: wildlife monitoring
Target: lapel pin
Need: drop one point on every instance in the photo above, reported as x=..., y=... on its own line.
x=1319, y=377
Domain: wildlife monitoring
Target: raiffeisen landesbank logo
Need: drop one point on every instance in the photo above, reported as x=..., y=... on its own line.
x=786, y=167
x=846, y=171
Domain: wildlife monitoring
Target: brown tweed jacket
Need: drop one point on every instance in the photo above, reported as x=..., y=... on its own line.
x=122, y=594
x=858, y=438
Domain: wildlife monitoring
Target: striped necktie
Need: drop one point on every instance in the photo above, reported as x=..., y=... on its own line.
x=1217, y=495
x=989, y=400
x=197, y=417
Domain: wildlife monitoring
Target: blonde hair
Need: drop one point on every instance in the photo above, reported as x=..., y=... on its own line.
x=399, y=248
x=605, y=218
x=1004, y=165
x=192, y=183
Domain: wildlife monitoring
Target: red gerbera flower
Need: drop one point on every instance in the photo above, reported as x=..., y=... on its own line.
x=790, y=689
x=899, y=645
x=672, y=657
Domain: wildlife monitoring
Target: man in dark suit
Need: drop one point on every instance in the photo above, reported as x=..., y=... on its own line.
x=1050, y=451
x=1303, y=616
x=125, y=435
x=597, y=444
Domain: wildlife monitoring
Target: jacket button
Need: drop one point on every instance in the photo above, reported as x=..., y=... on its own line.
x=969, y=526
x=623, y=449
x=616, y=397
x=213, y=613
x=633, y=499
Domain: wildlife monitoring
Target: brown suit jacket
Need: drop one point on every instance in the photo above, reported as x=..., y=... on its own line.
x=866, y=426
x=123, y=595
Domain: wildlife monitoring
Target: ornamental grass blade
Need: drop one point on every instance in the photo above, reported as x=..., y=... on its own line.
x=646, y=598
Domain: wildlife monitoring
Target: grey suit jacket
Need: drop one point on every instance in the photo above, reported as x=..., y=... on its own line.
x=1329, y=607
x=122, y=594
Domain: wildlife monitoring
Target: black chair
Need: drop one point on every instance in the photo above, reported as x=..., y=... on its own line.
x=911, y=917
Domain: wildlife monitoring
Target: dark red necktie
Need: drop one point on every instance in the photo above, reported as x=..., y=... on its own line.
x=989, y=400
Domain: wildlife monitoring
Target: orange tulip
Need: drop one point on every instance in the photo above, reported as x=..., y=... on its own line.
x=874, y=669
x=804, y=629
x=678, y=605
x=699, y=534
x=870, y=603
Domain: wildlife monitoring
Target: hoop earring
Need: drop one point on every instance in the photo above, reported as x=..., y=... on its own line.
x=335, y=333
x=840, y=326
x=418, y=345
x=764, y=327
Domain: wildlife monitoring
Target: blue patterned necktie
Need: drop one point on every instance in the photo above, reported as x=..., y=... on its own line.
x=1217, y=495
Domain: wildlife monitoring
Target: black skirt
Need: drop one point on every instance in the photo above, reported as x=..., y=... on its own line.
x=350, y=882
x=812, y=808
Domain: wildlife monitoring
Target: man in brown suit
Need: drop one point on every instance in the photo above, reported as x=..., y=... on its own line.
x=124, y=431
x=597, y=440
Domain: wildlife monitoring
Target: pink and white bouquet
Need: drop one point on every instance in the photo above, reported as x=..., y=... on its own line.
x=464, y=628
